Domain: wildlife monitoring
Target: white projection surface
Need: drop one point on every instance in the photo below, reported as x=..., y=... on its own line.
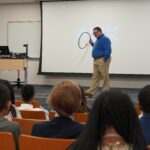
x=126, y=23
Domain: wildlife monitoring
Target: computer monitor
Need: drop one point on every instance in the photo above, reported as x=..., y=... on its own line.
x=4, y=50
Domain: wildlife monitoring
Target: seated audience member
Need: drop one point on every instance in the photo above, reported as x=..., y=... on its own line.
x=5, y=124
x=65, y=99
x=27, y=96
x=113, y=125
x=144, y=102
x=12, y=98
x=83, y=108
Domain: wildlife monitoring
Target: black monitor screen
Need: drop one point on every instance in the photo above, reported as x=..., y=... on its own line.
x=4, y=50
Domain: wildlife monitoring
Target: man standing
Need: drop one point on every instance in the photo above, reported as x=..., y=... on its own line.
x=101, y=54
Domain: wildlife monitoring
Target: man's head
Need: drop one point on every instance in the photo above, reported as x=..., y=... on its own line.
x=144, y=99
x=27, y=93
x=97, y=31
x=5, y=102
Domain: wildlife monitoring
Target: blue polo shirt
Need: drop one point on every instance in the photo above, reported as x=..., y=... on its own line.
x=102, y=48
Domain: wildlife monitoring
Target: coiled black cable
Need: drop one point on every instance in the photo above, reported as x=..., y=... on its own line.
x=79, y=45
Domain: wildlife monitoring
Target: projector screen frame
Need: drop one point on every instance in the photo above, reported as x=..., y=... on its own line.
x=59, y=74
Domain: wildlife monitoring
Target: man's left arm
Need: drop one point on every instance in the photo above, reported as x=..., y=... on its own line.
x=107, y=49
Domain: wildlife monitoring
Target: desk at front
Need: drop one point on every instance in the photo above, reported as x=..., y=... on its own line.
x=14, y=64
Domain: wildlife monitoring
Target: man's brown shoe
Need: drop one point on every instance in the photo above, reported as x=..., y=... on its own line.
x=87, y=94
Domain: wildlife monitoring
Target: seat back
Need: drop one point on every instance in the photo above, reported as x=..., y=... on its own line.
x=27, y=124
x=52, y=115
x=7, y=141
x=81, y=117
x=36, y=104
x=29, y=114
x=29, y=142
x=138, y=110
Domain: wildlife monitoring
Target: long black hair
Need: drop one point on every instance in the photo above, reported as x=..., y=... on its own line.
x=83, y=106
x=111, y=109
x=11, y=90
x=12, y=95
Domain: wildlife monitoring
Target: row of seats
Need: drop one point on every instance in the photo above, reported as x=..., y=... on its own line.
x=28, y=114
x=35, y=104
x=29, y=118
x=51, y=115
x=27, y=124
x=27, y=142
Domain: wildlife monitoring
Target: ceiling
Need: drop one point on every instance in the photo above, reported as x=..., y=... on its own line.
x=30, y=1
x=17, y=1
x=24, y=1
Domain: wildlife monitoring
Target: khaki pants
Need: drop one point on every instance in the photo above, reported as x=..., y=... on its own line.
x=100, y=72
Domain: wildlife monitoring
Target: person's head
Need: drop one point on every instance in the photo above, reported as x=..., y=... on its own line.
x=27, y=93
x=144, y=99
x=11, y=90
x=97, y=31
x=111, y=109
x=83, y=100
x=83, y=104
x=5, y=102
x=65, y=98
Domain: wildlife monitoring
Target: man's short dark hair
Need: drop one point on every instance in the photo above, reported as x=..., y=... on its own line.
x=144, y=99
x=98, y=29
x=27, y=93
x=4, y=97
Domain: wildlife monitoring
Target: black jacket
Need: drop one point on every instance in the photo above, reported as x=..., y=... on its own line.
x=59, y=127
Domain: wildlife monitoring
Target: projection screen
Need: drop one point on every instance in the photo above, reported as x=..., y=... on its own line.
x=126, y=23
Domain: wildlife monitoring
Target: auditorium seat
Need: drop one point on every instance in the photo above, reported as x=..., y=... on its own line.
x=81, y=117
x=29, y=114
x=35, y=104
x=30, y=143
x=7, y=141
x=52, y=115
x=138, y=110
x=27, y=124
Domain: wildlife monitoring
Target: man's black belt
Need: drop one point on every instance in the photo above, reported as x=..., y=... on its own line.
x=98, y=58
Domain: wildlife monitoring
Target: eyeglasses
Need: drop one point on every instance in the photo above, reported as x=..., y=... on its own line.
x=95, y=32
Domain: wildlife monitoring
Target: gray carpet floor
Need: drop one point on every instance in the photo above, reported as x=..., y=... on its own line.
x=42, y=92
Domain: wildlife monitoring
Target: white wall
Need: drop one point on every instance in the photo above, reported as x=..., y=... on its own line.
x=31, y=12
x=19, y=12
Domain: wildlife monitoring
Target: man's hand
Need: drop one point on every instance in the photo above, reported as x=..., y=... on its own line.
x=91, y=42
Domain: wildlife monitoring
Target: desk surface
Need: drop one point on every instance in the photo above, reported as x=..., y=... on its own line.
x=12, y=64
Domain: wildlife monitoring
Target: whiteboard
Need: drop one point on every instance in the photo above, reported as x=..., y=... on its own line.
x=20, y=33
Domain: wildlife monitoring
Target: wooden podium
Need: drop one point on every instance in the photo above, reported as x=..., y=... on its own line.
x=14, y=64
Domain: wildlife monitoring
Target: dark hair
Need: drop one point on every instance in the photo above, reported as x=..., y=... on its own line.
x=11, y=90
x=12, y=96
x=98, y=29
x=111, y=109
x=4, y=97
x=83, y=106
x=27, y=93
x=144, y=99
